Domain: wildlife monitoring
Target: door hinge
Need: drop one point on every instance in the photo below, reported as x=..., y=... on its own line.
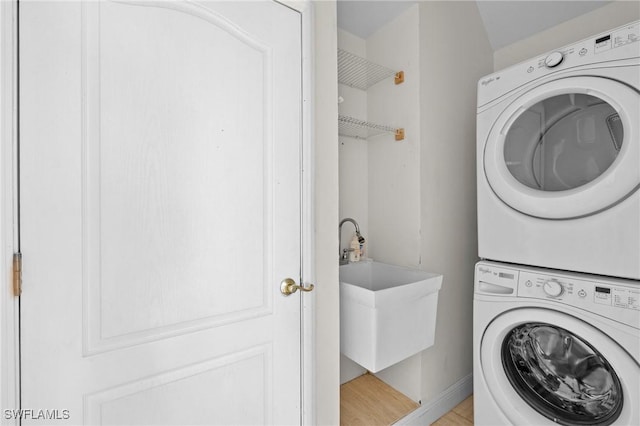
x=17, y=274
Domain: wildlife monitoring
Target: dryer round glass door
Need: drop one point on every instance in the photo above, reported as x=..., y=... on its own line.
x=543, y=366
x=563, y=142
x=565, y=149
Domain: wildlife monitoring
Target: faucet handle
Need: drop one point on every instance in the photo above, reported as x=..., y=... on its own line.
x=345, y=252
x=344, y=259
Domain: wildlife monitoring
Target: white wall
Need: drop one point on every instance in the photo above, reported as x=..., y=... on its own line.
x=422, y=191
x=354, y=172
x=600, y=20
x=326, y=215
x=354, y=167
x=380, y=177
x=394, y=167
x=405, y=376
x=454, y=54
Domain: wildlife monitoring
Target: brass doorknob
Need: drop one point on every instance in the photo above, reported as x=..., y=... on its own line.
x=289, y=286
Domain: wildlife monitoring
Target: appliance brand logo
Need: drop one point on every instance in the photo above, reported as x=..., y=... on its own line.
x=484, y=270
x=490, y=80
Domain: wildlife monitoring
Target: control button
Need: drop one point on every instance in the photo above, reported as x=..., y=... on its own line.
x=530, y=70
x=528, y=283
x=582, y=293
x=554, y=59
x=582, y=52
x=553, y=288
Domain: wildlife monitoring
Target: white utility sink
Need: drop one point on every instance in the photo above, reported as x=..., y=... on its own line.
x=387, y=312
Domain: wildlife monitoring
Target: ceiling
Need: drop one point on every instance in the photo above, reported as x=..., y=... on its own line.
x=505, y=21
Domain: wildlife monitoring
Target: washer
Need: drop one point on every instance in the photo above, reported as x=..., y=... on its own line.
x=553, y=347
x=558, y=143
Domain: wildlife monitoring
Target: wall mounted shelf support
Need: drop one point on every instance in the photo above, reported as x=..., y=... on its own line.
x=360, y=73
x=360, y=129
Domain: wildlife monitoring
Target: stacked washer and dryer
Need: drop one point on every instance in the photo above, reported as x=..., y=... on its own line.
x=557, y=293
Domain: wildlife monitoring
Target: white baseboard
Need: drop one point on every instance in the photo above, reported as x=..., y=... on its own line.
x=440, y=405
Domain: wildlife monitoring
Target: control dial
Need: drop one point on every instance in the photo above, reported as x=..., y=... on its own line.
x=553, y=288
x=553, y=60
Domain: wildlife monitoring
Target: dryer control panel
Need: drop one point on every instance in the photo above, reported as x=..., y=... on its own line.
x=622, y=43
x=617, y=299
x=579, y=53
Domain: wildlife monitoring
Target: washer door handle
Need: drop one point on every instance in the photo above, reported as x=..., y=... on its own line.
x=485, y=287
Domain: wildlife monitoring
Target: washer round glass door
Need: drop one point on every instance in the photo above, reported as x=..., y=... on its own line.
x=561, y=376
x=542, y=364
x=565, y=149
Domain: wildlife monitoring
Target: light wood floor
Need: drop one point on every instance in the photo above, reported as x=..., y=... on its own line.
x=461, y=415
x=368, y=401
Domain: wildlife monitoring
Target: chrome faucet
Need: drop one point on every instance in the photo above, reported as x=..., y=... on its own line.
x=344, y=254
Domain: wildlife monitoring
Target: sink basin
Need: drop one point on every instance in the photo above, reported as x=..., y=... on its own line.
x=387, y=312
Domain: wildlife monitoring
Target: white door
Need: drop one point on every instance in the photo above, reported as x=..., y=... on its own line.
x=568, y=148
x=160, y=210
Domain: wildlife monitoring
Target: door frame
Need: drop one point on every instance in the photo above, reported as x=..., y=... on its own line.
x=9, y=212
x=9, y=217
x=307, y=273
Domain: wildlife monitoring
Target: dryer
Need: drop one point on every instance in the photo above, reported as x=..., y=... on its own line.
x=551, y=347
x=558, y=158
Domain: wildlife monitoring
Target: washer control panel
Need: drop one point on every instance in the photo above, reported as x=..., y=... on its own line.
x=553, y=288
x=573, y=290
x=614, y=298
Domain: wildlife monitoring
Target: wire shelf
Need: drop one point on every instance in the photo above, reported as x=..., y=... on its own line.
x=360, y=73
x=360, y=129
